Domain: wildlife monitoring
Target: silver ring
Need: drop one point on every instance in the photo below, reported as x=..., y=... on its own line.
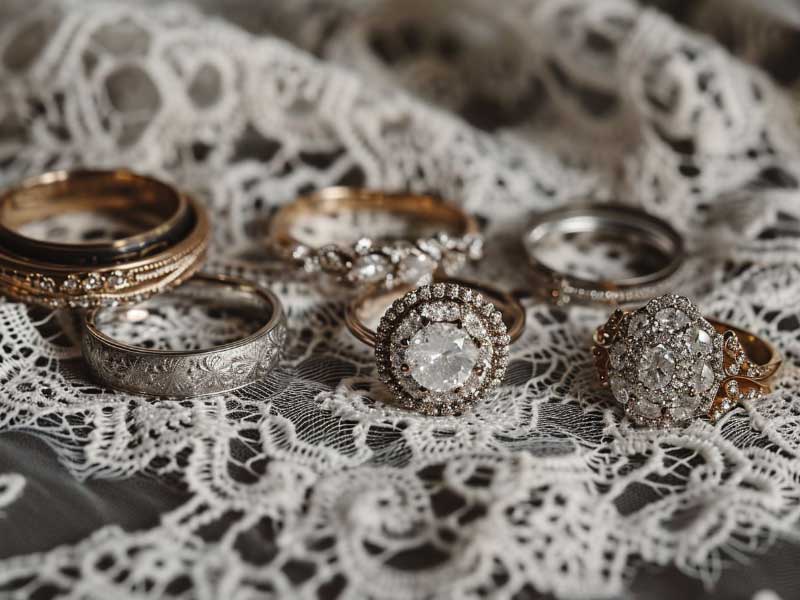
x=652, y=236
x=186, y=373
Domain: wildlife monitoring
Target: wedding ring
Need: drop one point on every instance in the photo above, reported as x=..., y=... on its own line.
x=337, y=231
x=666, y=364
x=649, y=244
x=186, y=373
x=155, y=208
x=168, y=247
x=440, y=348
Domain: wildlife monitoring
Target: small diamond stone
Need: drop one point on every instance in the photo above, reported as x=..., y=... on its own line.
x=619, y=389
x=672, y=319
x=637, y=323
x=363, y=245
x=648, y=409
x=657, y=367
x=703, y=377
x=116, y=280
x=369, y=268
x=416, y=268
x=332, y=259
x=70, y=285
x=92, y=282
x=698, y=341
x=441, y=356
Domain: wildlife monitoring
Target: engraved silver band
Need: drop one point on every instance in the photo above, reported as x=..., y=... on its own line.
x=612, y=221
x=186, y=373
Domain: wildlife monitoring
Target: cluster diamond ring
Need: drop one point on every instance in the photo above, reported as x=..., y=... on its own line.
x=666, y=364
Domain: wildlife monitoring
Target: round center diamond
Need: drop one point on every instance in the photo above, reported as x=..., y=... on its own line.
x=656, y=367
x=441, y=356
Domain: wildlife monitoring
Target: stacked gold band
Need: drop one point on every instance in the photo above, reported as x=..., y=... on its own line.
x=83, y=275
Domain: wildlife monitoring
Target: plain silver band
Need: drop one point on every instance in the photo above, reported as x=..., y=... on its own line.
x=612, y=219
x=182, y=374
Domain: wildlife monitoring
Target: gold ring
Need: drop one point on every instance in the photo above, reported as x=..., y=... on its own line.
x=436, y=235
x=666, y=364
x=170, y=249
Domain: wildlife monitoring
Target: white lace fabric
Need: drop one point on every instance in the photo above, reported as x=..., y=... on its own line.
x=308, y=484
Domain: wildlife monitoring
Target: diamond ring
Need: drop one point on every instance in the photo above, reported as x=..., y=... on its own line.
x=442, y=347
x=666, y=364
x=365, y=237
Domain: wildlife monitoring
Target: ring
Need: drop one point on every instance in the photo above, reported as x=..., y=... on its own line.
x=185, y=373
x=168, y=248
x=426, y=233
x=666, y=364
x=441, y=347
x=654, y=246
x=154, y=207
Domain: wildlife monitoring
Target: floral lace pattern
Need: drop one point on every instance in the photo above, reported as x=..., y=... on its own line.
x=306, y=484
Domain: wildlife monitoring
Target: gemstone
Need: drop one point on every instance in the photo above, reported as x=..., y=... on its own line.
x=92, y=282
x=47, y=284
x=70, y=285
x=648, y=409
x=672, y=319
x=684, y=410
x=416, y=268
x=116, y=280
x=363, y=245
x=698, y=341
x=369, y=268
x=617, y=356
x=619, y=389
x=331, y=258
x=637, y=323
x=475, y=249
x=656, y=367
x=703, y=377
x=441, y=356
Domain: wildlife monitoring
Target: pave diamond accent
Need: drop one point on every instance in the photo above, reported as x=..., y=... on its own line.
x=441, y=356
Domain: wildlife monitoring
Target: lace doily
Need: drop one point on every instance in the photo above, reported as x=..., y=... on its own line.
x=306, y=485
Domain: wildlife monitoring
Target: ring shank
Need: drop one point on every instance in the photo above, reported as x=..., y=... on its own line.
x=615, y=222
x=511, y=309
x=337, y=200
x=758, y=350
